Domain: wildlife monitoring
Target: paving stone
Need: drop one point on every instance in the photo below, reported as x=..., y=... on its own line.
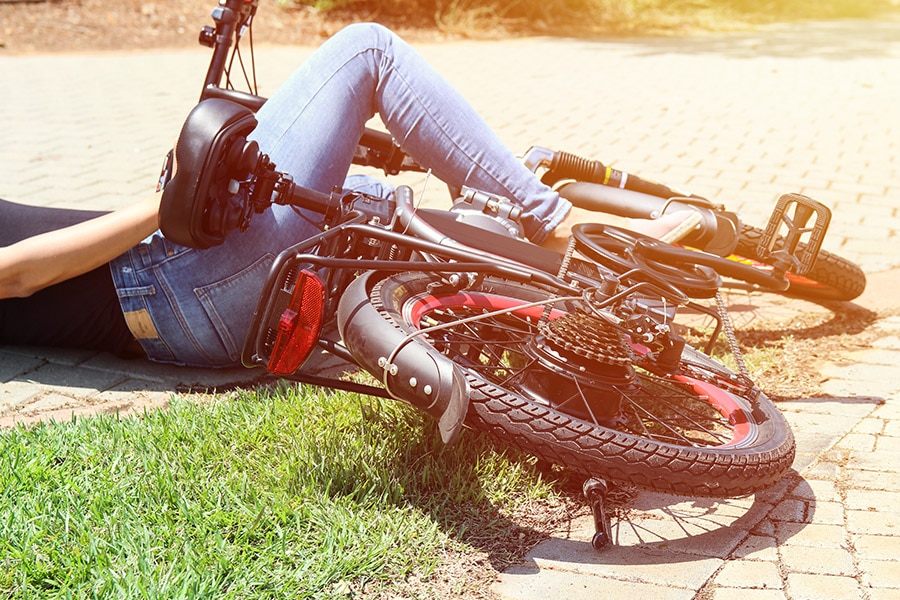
x=823, y=469
x=874, y=500
x=892, y=429
x=13, y=365
x=864, y=442
x=804, y=586
x=524, y=583
x=819, y=424
x=873, y=522
x=877, y=387
x=888, y=444
x=815, y=489
x=15, y=394
x=881, y=461
x=815, y=535
x=75, y=383
x=824, y=561
x=655, y=565
x=871, y=480
x=48, y=401
x=826, y=513
x=889, y=411
x=757, y=547
x=791, y=510
x=749, y=574
x=877, y=547
x=747, y=594
x=881, y=573
x=870, y=426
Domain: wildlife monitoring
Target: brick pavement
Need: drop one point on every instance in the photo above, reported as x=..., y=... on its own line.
x=741, y=118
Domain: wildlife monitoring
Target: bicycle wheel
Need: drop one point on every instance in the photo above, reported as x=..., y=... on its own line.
x=831, y=277
x=570, y=391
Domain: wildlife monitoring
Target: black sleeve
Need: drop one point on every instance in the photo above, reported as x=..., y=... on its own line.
x=82, y=312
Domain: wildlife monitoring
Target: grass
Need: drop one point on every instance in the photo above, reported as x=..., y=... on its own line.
x=295, y=493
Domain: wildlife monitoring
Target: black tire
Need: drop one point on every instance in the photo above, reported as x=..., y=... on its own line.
x=831, y=277
x=747, y=446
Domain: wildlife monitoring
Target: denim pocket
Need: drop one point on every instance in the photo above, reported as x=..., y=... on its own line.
x=229, y=303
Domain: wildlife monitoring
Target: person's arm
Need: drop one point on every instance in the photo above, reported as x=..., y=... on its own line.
x=43, y=260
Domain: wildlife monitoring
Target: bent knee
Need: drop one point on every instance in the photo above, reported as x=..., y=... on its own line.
x=374, y=35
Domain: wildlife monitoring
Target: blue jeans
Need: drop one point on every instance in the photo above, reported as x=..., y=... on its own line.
x=193, y=307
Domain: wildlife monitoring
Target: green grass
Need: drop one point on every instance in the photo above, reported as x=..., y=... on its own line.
x=291, y=493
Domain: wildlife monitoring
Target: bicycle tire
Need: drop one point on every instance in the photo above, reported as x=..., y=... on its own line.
x=745, y=446
x=830, y=278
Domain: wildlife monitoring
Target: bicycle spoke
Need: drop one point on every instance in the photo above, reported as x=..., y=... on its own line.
x=654, y=408
x=684, y=421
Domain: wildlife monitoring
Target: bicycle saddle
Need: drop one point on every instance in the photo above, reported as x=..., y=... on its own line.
x=197, y=209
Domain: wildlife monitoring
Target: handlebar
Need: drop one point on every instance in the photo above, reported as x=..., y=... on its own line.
x=231, y=17
x=666, y=253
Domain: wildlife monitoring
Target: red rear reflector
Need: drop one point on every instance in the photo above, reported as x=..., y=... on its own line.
x=298, y=326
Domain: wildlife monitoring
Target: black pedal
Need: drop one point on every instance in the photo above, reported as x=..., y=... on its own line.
x=793, y=212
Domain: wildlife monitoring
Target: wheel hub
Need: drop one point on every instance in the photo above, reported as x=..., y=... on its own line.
x=583, y=364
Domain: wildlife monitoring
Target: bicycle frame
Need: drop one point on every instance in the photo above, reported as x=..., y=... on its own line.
x=327, y=293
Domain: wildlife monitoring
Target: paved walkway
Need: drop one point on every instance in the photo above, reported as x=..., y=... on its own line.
x=741, y=118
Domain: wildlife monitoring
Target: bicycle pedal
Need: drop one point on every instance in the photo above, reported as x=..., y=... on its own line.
x=793, y=213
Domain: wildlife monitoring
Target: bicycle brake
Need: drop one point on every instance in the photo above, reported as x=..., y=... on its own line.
x=454, y=282
x=785, y=251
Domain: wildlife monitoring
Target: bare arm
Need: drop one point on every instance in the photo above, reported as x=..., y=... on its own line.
x=43, y=260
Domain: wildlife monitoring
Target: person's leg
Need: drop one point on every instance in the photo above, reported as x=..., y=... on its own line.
x=195, y=306
x=311, y=125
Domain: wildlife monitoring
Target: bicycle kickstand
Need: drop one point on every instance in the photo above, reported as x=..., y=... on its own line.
x=595, y=491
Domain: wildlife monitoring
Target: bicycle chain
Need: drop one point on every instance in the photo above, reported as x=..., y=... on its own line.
x=588, y=337
x=731, y=337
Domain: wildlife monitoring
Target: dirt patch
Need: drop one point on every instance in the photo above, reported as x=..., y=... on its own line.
x=92, y=25
x=785, y=356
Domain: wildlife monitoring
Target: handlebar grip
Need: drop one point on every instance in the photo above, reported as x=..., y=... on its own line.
x=378, y=140
x=569, y=166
